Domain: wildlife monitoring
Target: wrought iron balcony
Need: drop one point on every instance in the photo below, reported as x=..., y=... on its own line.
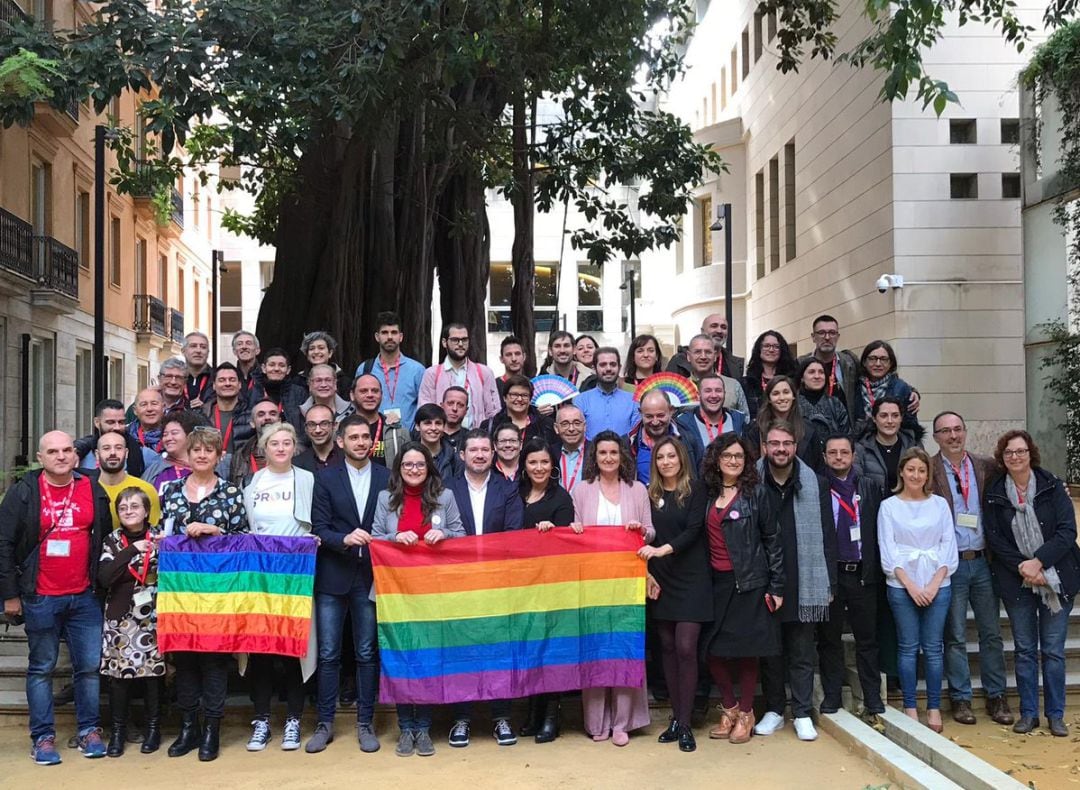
x=176, y=326
x=16, y=244
x=11, y=13
x=56, y=266
x=150, y=313
x=177, y=207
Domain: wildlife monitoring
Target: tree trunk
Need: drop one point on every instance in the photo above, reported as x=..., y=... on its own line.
x=522, y=294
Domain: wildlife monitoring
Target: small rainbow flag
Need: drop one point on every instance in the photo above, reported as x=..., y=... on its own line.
x=509, y=615
x=235, y=594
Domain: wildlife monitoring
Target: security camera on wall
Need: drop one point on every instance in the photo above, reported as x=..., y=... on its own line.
x=889, y=281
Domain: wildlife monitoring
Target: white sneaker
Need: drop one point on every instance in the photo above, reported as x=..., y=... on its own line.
x=260, y=735
x=290, y=739
x=804, y=728
x=770, y=723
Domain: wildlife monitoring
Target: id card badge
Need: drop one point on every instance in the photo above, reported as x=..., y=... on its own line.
x=967, y=521
x=856, y=534
x=58, y=548
x=143, y=597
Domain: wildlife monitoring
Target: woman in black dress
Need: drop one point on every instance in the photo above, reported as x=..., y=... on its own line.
x=747, y=581
x=547, y=505
x=679, y=562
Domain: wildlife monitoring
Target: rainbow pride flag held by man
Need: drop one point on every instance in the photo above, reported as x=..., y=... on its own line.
x=235, y=594
x=509, y=615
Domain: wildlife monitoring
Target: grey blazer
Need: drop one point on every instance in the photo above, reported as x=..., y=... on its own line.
x=446, y=517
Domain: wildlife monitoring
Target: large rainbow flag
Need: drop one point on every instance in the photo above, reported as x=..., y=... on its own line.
x=235, y=594
x=509, y=615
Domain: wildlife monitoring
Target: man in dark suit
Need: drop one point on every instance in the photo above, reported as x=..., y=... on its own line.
x=488, y=503
x=342, y=510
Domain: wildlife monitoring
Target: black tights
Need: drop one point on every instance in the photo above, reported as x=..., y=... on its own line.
x=261, y=672
x=726, y=670
x=678, y=652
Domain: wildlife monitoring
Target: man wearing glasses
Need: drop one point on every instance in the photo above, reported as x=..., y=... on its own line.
x=570, y=428
x=323, y=450
x=841, y=367
x=458, y=370
x=960, y=479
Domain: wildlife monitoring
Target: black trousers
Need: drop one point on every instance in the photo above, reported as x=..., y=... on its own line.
x=202, y=681
x=262, y=671
x=797, y=665
x=858, y=602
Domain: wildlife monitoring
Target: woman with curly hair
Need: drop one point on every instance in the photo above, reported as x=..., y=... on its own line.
x=770, y=357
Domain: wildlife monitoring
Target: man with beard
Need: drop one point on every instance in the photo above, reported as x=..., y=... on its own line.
x=458, y=370
x=455, y=404
x=109, y=415
x=714, y=326
x=275, y=383
x=322, y=451
x=172, y=378
x=399, y=376
x=702, y=355
x=801, y=506
x=710, y=418
x=248, y=459
x=387, y=436
x=112, y=455
x=226, y=410
x=512, y=357
x=855, y=503
x=200, y=381
x=561, y=362
x=657, y=421
x=245, y=347
x=607, y=407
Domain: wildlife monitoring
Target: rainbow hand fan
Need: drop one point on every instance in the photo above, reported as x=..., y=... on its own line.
x=680, y=390
x=551, y=390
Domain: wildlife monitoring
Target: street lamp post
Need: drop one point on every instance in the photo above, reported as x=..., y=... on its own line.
x=218, y=266
x=723, y=222
x=628, y=284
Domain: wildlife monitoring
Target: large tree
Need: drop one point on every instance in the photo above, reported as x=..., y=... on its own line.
x=369, y=131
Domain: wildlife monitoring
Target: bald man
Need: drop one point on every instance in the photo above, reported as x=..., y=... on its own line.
x=715, y=325
x=657, y=421
x=149, y=411
x=52, y=523
x=387, y=436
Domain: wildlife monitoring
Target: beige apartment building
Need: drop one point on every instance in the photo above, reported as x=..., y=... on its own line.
x=158, y=285
x=831, y=189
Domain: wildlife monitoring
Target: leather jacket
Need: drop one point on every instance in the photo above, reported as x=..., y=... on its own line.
x=753, y=543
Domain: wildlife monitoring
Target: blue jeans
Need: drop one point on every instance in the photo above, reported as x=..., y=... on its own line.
x=330, y=613
x=79, y=620
x=920, y=627
x=414, y=717
x=1038, y=632
x=972, y=584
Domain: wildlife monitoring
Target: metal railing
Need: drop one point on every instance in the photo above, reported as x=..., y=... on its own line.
x=16, y=244
x=177, y=207
x=72, y=109
x=150, y=315
x=176, y=326
x=57, y=266
x=11, y=13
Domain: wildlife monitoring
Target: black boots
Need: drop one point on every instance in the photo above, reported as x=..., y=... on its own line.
x=188, y=738
x=152, y=730
x=118, y=708
x=208, y=748
x=534, y=718
x=549, y=725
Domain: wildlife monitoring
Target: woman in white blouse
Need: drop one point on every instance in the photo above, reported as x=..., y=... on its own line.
x=918, y=555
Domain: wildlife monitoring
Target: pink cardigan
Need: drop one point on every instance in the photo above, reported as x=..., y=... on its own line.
x=633, y=502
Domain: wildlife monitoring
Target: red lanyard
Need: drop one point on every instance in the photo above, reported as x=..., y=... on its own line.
x=720, y=362
x=141, y=432
x=571, y=478
x=719, y=426
x=200, y=382
x=146, y=561
x=53, y=513
x=962, y=479
x=253, y=462
x=227, y=435
x=499, y=467
x=392, y=390
x=851, y=511
x=378, y=436
x=832, y=376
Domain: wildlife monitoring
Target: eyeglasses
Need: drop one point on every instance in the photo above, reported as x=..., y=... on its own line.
x=1015, y=453
x=775, y=445
x=950, y=431
x=703, y=352
x=324, y=424
x=507, y=443
x=732, y=456
x=826, y=333
x=413, y=466
x=461, y=341
x=517, y=396
x=571, y=424
x=770, y=346
x=875, y=358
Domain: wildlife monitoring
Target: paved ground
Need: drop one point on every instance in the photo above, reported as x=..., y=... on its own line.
x=1038, y=760
x=572, y=761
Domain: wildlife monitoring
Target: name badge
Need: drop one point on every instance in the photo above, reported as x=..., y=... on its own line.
x=143, y=597
x=967, y=521
x=856, y=534
x=436, y=521
x=58, y=548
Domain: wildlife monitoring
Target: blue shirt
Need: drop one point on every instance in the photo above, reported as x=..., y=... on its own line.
x=967, y=539
x=615, y=411
x=402, y=391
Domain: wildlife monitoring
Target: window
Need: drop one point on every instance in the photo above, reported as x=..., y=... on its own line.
x=181, y=290
x=42, y=389
x=114, y=384
x=774, y=214
x=962, y=131
x=1010, y=185
x=197, y=298
x=114, y=109
x=679, y=251
x=84, y=391
x=734, y=70
x=82, y=227
x=723, y=88
x=40, y=178
x=41, y=11
x=140, y=136
x=963, y=186
x=771, y=24
x=1010, y=131
x=712, y=117
x=759, y=222
x=115, y=262
x=545, y=296
x=143, y=377
x=745, y=52
x=141, y=278
x=704, y=222
x=230, y=298
x=195, y=202
x=163, y=278
x=266, y=272
x=758, y=40
x=789, y=200
x=590, y=314
x=209, y=217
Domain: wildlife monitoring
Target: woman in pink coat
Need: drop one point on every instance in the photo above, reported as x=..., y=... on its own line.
x=609, y=495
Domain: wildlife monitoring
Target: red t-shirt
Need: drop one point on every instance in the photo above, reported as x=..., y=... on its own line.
x=718, y=552
x=64, y=557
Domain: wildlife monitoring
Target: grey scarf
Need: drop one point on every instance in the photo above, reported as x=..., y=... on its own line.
x=814, y=590
x=1029, y=537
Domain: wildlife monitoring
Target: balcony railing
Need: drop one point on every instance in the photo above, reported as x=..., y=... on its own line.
x=72, y=109
x=150, y=314
x=177, y=207
x=176, y=326
x=57, y=266
x=11, y=13
x=16, y=242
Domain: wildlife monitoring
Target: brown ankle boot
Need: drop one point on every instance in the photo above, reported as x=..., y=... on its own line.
x=727, y=722
x=744, y=727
